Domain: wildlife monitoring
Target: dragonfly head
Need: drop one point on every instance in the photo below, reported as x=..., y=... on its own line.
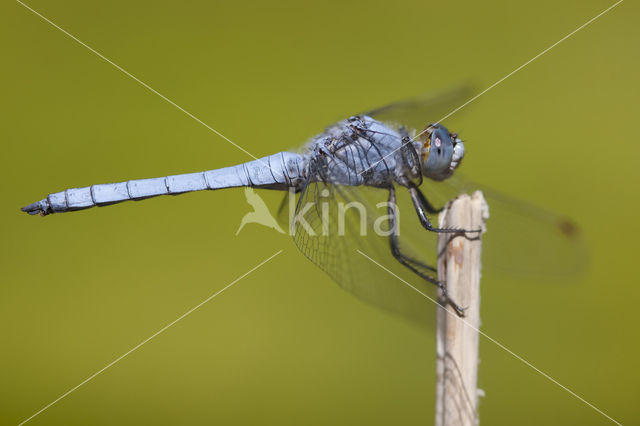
x=442, y=152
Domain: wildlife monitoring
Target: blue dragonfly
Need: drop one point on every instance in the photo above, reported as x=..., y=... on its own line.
x=367, y=166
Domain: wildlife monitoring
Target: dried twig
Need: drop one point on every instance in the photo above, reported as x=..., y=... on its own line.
x=457, y=338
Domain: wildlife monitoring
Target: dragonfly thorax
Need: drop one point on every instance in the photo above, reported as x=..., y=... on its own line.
x=442, y=152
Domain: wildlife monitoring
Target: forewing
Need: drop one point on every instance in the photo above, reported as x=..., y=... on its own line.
x=523, y=240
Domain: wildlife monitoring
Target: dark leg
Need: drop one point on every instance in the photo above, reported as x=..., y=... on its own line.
x=410, y=263
x=419, y=201
x=428, y=207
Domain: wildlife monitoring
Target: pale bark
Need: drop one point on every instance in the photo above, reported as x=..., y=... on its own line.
x=459, y=265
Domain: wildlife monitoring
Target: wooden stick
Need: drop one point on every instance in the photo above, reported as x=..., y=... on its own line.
x=457, y=338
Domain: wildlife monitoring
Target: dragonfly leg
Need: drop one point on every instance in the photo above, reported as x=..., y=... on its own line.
x=412, y=264
x=428, y=207
x=423, y=207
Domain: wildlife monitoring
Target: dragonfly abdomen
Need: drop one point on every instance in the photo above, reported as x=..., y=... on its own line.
x=278, y=171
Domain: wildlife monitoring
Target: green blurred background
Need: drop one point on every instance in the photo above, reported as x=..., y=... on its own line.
x=286, y=345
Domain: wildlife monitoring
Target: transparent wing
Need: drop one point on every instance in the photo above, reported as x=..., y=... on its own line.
x=341, y=242
x=417, y=113
x=523, y=240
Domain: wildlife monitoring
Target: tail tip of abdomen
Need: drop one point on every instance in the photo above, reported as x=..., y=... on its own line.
x=41, y=208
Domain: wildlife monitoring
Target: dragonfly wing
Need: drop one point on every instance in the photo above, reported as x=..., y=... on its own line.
x=417, y=113
x=343, y=242
x=523, y=240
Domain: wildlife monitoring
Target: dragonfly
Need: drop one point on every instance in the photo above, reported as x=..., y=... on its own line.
x=368, y=165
